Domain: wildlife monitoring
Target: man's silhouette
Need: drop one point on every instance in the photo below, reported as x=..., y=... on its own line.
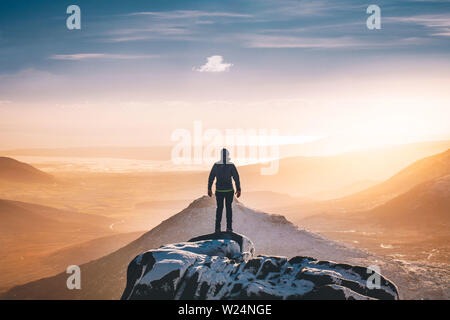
x=223, y=170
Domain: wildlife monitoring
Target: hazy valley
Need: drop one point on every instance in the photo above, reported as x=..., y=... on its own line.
x=60, y=211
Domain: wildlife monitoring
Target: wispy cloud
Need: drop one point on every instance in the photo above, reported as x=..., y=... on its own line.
x=438, y=23
x=444, y=32
x=275, y=41
x=436, y=20
x=287, y=9
x=192, y=25
x=214, y=64
x=303, y=42
x=88, y=56
x=164, y=31
x=189, y=14
x=171, y=25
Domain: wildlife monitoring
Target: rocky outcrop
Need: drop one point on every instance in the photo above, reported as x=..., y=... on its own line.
x=224, y=266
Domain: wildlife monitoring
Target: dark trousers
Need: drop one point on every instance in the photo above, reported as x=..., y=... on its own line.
x=220, y=198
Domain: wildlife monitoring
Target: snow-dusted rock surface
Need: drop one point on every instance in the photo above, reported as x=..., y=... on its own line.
x=223, y=266
x=246, y=246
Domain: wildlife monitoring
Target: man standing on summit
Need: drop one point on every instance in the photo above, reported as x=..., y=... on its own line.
x=223, y=170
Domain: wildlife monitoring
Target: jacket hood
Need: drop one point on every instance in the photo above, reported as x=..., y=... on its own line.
x=224, y=156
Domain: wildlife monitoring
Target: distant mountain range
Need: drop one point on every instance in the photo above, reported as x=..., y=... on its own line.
x=12, y=170
x=425, y=205
x=308, y=176
x=423, y=170
x=317, y=177
x=311, y=149
x=139, y=153
x=420, y=171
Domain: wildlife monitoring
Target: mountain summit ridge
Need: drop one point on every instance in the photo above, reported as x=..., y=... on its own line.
x=105, y=278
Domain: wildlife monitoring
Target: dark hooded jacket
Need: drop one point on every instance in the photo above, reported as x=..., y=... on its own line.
x=223, y=170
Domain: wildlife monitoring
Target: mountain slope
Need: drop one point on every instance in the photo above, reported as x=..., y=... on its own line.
x=17, y=216
x=345, y=191
x=87, y=251
x=420, y=171
x=16, y=171
x=29, y=232
x=424, y=206
x=15, y=219
x=266, y=200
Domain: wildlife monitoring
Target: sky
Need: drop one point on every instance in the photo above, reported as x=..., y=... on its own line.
x=137, y=71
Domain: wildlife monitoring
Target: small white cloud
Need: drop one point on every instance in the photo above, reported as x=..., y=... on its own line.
x=214, y=64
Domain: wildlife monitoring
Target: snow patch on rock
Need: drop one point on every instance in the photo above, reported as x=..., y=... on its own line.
x=228, y=269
